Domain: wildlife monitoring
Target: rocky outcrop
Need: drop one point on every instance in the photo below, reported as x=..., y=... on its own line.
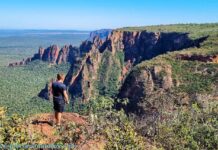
x=41, y=124
x=68, y=54
x=53, y=54
x=144, y=82
x=195, y=57
x=83, y=74
x=148, y=90
x=46, y=93
x=23, y=62
x=50, y=54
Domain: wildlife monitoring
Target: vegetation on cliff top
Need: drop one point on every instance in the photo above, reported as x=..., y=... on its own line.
x=195, y=30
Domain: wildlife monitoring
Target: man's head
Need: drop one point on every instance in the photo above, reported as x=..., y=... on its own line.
x=60, y=77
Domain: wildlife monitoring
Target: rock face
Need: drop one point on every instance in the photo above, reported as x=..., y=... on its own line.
x=143, y=83
x=139, y=46
x=51, y=54
x=83, y=73
x=68, y=54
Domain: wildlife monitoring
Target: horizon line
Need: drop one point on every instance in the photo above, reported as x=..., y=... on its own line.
x=94, y=29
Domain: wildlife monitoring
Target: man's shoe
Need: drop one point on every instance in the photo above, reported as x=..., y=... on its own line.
x=51, y=123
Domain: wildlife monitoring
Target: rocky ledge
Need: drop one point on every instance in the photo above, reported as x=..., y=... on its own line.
x=196, y=57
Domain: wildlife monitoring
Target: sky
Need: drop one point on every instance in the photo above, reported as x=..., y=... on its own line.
x=98, y=14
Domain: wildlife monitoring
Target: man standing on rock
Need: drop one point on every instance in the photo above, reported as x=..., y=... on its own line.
x=60, y=97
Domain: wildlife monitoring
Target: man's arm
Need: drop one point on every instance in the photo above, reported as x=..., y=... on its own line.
x=66, y=97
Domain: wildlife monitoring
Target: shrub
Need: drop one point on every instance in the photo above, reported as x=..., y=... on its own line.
x=14, y=131
x=193, y=129
x=71, y=133
x=95, y=105
x=123, y=136
x=112, y=124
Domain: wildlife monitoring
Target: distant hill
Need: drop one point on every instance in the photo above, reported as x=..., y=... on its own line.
x=103, y=33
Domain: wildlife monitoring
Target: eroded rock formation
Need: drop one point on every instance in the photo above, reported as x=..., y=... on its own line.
x=144, y=82
x=53, y=54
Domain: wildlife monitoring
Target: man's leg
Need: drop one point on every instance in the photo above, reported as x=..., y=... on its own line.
x=56, y=117
x=59, y=114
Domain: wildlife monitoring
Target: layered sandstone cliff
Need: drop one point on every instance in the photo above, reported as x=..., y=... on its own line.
x=143, y=45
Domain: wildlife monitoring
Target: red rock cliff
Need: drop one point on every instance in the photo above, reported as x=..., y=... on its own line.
x=135, y=46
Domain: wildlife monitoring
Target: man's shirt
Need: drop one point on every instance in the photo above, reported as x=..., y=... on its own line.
x=58, y=90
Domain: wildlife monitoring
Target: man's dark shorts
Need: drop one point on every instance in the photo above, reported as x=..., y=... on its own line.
x=59, y=105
